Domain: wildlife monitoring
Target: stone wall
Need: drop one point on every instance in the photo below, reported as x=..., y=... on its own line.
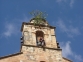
x=36, y=54
x=15, y=58
x=40, y=54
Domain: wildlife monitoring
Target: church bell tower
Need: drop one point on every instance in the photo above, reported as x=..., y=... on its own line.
x=33, y=33
x=39, y=42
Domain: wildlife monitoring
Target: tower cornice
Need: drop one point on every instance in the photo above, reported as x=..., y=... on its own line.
x=25, y=23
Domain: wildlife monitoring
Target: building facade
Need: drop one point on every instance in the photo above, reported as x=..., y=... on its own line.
x=38, y=44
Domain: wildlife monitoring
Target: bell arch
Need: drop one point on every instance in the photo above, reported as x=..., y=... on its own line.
x=39, y=34
x=40, y=38
x=39, y=30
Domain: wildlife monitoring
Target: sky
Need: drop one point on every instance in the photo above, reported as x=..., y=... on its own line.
x=65, y=15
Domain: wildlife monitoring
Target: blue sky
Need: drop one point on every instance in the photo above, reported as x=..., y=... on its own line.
x=66, y=15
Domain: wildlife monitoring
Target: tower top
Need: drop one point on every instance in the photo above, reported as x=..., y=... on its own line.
x=38, y=14
x=43, y=23
x=39, y=22
x=39, y=17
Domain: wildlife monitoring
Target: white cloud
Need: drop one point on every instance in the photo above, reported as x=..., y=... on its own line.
x=78, y=58
x=62, y=26
x=14, y=27
x=60, y=1
x=68, y=53
x=69, y=30
x=70, y=2
x=9, y=30
x=66, y=49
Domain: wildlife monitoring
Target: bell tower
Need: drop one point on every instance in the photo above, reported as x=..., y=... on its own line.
x=39, y=42
x=33, y=33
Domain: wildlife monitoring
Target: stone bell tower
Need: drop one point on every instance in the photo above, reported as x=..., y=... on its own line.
x=31, y=34
x=39, y=41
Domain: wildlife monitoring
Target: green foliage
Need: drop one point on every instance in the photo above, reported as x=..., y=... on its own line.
x=38, y=16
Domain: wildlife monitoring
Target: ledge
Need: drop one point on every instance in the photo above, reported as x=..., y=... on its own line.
x=25, y=23
x=42, y=47
x=67, y=59
x=53, y=35
x=10, y=55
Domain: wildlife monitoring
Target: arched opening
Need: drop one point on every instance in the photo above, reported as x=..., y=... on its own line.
x=40, y=38
x=39, y=34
